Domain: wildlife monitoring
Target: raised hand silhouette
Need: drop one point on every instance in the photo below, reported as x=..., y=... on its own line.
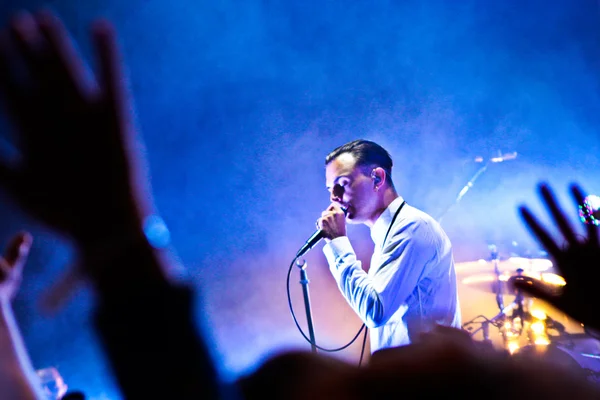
x=577, y=261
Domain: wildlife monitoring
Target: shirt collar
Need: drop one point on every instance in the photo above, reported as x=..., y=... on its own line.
x=381, y=226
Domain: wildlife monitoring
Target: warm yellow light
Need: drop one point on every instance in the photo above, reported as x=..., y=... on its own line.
x=512, y=347
x=538, y=314
x=485, y=278
x=553, y=279
x=542, y=341
x=538, y=328
x=528, y=264
x=507, y=325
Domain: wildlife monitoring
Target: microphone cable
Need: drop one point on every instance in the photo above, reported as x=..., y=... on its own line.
x=363, y=327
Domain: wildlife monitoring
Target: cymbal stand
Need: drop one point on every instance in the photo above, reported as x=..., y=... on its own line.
x=493, y=321
x=495, y=262
x=485, y=327
x=519, y=300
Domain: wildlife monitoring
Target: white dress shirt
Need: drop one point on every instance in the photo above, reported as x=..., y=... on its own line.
x=411, y=283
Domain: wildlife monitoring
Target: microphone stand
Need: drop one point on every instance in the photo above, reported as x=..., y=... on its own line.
x=464, y=190
x=500, y=158
x=304, y=282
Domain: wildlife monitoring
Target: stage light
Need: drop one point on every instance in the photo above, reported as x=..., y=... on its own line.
x=538, y=314
x=538, y=327
x=553, y=279
x=542, y=341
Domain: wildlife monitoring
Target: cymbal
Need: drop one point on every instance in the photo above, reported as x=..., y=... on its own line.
x=490, y=283
x=509, y=265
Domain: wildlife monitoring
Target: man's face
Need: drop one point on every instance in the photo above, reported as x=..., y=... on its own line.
x=349, y=187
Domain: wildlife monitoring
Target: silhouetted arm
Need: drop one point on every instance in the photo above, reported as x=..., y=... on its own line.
x=18, y=379
x=81, y=171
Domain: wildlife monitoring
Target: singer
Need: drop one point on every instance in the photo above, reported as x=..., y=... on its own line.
x=411, y=283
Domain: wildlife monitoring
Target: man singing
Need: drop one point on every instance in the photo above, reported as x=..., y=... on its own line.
x=411, y=283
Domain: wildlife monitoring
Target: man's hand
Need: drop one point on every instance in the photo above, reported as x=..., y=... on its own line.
x=332, y=222
x=577, y=262
x=77, y=170
x=11, y=266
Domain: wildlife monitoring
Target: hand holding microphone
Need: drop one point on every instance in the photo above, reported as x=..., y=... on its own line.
x=332, y=224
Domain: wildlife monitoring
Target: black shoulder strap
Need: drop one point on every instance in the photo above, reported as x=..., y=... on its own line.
x=392, y=223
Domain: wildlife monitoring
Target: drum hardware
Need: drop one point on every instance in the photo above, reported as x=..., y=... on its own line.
x=538, y=326
x=498, y=321
x=498, y=277
x=526, y=330
x=587, y=366
x=505, y=266
x=495, y=261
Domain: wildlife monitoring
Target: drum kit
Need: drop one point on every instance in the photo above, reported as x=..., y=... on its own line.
x=498, y=315
x=503, y=317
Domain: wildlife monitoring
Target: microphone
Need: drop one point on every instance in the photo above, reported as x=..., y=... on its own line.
x=499, y=158
x=314, y=239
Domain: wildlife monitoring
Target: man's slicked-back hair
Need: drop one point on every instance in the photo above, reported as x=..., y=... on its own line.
x=366, y=154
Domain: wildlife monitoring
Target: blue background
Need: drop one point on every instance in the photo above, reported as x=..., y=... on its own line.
x=239, y=102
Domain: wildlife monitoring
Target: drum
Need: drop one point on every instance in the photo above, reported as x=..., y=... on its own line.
x=482, y=291
x=584, y=365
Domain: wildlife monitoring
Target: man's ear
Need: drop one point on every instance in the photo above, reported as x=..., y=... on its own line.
x=378, y=176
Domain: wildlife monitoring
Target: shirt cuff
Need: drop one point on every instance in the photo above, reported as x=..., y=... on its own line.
x=337, y=252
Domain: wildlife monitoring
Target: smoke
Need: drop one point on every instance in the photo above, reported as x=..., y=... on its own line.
x=240, y=103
